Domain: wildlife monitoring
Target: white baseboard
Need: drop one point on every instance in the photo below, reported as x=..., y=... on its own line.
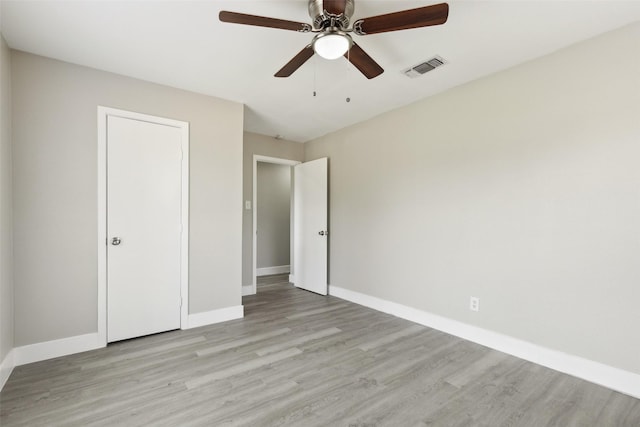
x=78, y=344
x=215, y=316
x=247, y=290
x=616, y=379
x=6, y=367
x=56, y=348
x=292, y=279
x=268, y=271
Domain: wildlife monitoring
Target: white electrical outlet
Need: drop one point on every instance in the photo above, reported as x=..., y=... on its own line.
x=474, y=304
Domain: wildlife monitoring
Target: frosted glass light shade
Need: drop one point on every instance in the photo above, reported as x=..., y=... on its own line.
x=331, y=45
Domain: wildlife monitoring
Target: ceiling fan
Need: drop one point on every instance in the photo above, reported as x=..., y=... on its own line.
x=333, y=40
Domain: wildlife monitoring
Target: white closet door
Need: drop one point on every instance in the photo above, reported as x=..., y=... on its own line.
x=143, y=228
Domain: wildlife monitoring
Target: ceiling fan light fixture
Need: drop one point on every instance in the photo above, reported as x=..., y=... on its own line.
x=332, y=45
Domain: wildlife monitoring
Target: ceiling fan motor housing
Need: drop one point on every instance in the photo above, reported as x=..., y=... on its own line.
x=323, y=18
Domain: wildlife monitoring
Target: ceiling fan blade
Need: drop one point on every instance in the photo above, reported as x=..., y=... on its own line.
x=295, y=63
x=363, y=62
x=413, y=18
x=261, y=21
x=334, y=7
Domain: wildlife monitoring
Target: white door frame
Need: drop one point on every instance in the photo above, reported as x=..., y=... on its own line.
x=278, y=161
x=103, y=113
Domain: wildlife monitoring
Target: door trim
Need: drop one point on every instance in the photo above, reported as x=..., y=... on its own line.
x=103, y=113
x=265, y=159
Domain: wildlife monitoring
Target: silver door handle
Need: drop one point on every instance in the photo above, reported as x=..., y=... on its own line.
x=116, y=241
x=323, y=233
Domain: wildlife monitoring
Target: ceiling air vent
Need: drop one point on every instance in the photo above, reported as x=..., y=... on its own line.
x=424, y=67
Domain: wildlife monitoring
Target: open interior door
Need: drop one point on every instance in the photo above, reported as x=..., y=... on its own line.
x=310, y=226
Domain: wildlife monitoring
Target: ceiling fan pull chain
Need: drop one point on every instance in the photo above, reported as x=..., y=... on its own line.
x=347, y=69
x=315, y=67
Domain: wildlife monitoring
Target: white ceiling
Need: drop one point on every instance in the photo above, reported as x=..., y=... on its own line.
x=182, y=44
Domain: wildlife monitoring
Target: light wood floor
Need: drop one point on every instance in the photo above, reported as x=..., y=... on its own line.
x=299, y=359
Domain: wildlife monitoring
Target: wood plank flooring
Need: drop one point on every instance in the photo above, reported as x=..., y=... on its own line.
x=300, y=359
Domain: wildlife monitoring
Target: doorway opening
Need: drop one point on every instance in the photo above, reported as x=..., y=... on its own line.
x=272, y=233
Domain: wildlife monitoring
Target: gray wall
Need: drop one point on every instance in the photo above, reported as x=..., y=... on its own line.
x=256, y=144
x=521, y=188
x=273, y=215
x=55, y=192
x=6, y=205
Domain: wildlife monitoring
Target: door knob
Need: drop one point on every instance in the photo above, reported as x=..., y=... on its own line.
x=115, y=241
x=323, y=233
